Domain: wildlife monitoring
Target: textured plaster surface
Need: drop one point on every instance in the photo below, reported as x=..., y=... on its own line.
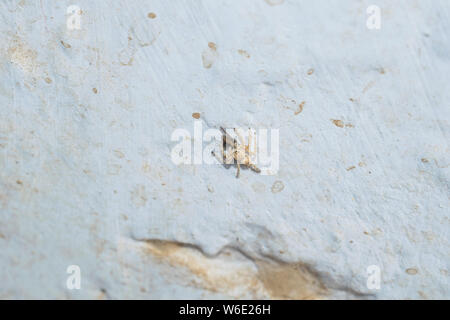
x=86, y=176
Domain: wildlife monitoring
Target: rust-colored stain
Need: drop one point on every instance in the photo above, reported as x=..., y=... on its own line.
x=209, y=271
x=212, y=46
x=290, y=281
x=95, y=90
x=196, y=115
x=151, y=15
x=244, y=53
x=350, y=168
x=411, y=271
x=310, y=71
x=341, y=124
x=258, y=278
x=300, y=108
x=338, y=123
x=48, y=80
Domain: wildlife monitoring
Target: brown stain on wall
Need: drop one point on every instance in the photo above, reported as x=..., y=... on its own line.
x=222, y=273
x=341, y=124
x=411, y=271
x=290, y=281
x=21, y=55
x=300, y=108
x=212, y=46
x=338, y=123
x=244, y=53
x=180, y=255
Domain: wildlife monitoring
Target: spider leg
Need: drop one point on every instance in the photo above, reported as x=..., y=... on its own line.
x=217, y=156
x=252, y=145
x=240, y=137
x=238, y=170
x=250, y=137
x=228, y=156
x=228, y=140
x=254, y=168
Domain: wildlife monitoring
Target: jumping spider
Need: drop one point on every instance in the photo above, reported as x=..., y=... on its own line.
x=234, y=150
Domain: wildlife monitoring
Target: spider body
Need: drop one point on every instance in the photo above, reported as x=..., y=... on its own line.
x=234, y=150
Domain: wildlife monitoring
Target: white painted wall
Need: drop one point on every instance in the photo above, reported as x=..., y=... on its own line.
x=86, y=176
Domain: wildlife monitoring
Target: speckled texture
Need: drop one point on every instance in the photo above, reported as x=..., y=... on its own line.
x=86, y=176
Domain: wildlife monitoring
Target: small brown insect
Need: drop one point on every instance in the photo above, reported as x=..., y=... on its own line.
x=234, y=150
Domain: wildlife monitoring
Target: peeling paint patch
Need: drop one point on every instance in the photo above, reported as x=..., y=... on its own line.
x=22, y=56
x=236, y=274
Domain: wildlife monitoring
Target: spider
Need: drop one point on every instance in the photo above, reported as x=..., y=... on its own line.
x=232, y=150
